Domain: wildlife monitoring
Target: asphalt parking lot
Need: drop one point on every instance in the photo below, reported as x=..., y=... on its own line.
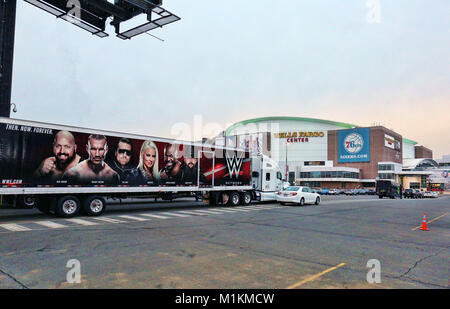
x=186, y=244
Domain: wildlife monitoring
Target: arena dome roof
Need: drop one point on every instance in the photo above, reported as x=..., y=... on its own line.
x=304, y=119
x=277, y=118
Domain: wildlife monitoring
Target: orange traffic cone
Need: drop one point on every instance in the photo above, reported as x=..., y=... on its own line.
x=424, y=223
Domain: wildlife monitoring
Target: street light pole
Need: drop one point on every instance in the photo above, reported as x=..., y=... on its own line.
x=286, y=161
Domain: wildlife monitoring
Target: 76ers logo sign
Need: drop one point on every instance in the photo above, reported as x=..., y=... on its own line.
x=234, y=162
x=353, y=143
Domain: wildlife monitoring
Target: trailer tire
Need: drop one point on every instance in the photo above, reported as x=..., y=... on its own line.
x=68, y=206
x=234, y=199
x=94, y=205
x=246, y=198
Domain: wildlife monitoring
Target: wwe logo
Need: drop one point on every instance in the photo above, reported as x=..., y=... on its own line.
x=234, y=162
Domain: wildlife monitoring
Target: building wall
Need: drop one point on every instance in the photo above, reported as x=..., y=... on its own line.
x=408, y=150
x=296, y=151
x=421, y=152
x=407, y=180
x=331, y=184
x=378, y=152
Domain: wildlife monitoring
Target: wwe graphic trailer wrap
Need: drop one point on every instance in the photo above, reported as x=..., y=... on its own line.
x=45, y=165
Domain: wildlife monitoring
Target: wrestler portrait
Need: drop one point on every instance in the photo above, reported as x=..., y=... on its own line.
x=94, y=169
x=122, y=161
x=147, y=169
x=64, y=157
x=172, y=166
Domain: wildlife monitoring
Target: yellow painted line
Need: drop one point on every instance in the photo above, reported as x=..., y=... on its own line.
x=314, y=277
x=428, y=222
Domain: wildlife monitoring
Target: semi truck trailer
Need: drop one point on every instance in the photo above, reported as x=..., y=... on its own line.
x=66, y=170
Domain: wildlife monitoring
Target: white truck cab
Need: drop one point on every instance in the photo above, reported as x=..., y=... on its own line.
x=266, y=177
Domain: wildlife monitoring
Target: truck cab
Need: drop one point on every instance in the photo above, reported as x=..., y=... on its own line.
x=266, y=177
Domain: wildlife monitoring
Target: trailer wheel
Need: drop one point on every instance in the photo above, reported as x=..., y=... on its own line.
x=235, y=199
x=68, y=206
x=246, y=198
x=94, y=205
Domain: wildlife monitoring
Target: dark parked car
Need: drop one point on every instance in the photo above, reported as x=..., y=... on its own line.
x=408, y=193
x=386, y=188
x=419, y=194
x=371, y=192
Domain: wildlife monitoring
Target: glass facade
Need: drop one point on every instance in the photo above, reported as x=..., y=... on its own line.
x=386, y=176
x=311, y=184
x=385, y=167
x=414, y=185
x=329, y=174
x=423, y=181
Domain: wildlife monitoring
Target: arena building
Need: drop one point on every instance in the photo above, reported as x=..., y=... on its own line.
x=323, y=153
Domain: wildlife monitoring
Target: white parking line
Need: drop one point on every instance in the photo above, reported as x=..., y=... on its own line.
x=50, y=224
x=261, y=207
x=192, y=213
x=264, y=206
x=211, y=212
x=134, y=218
x=14, y=227
x=109, y=220
x=174, y=214
x=154, y=216
x=224, y=210
x=82, y=222
x=253, y=208
x=241, y=209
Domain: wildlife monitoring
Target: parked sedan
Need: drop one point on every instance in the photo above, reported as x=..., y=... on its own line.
x=409, y=193
x=324, y=191
x=418, y=193
x=362, y=191
x=298, y=195
x=351, y=192
x=430, y=194
x=332, y=192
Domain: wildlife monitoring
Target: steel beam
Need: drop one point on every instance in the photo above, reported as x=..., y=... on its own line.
x=7, y=29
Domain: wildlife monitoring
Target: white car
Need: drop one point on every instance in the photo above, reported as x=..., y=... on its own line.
x=332, y=192
x=298, y=195
x=431, y=194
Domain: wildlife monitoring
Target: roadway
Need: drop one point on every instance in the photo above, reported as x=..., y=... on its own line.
x=186, y=244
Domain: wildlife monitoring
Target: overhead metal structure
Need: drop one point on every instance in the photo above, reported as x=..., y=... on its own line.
x=7, y=25
x=90, y=15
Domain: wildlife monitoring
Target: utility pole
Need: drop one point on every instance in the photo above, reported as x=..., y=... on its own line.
x=7, y=29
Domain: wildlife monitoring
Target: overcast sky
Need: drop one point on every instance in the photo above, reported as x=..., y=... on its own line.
x=233, y=60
